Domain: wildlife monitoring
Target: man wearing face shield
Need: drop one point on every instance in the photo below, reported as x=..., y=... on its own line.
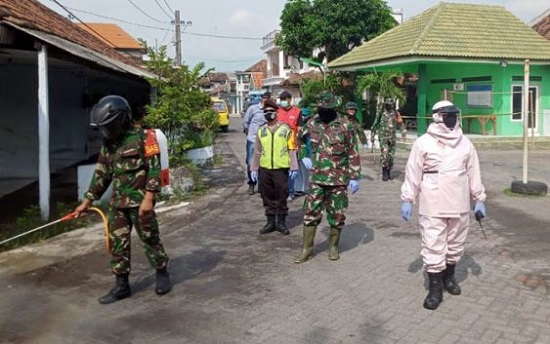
x=443, y=174
x=131, y=162
x=336, y=166
x=385, y=126
x=274, y=163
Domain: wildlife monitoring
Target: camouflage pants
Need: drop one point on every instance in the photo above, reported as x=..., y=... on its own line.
x=387, y=152
x=120, y=230
x=334, y=199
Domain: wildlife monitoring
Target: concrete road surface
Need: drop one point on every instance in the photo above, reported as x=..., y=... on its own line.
x=235, y=286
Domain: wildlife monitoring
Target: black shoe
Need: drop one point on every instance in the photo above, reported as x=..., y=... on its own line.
x=120, y=291
x=270, y=225
x=435, y=291
x=449, y=282
x=389, y=174
x=251, y=189
x=164, y=285
x=281, y=224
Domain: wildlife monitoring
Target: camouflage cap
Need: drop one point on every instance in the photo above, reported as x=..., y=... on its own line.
x=328, y=100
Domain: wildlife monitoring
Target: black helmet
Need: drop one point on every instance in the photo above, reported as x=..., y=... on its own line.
x=112, y=116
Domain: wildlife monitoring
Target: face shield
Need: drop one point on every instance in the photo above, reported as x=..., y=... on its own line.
x=448, y=115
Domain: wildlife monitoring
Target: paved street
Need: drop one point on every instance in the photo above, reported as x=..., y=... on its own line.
x=234, y=286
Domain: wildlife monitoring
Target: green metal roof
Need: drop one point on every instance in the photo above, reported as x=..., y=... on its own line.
x=452, y=30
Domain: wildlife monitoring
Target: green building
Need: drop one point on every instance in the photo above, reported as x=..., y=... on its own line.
x=470, y=54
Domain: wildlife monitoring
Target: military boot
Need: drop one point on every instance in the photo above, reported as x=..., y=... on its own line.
x=251, y=189
x=390, y=177
x=385, y=174
x=281, y=224
x=309, y=237
x=164, y=285
x=120, y=291
x=270, y=225
x=449, y=282
x=333, y=241
x=435, y=291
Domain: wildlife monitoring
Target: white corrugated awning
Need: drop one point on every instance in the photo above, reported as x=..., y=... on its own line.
x=85, y=53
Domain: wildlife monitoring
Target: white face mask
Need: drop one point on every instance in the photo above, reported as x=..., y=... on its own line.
x=284, y=103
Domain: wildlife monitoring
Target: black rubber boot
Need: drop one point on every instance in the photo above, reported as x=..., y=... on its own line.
x=309, y=238
x=281, y=224
x=449, y=282
x=251, y=189
x=389, y=174
x=270, y=225
x=435, y=291
x=164, y=285
x=120, y=291
x=333, y=242
x=385, y=174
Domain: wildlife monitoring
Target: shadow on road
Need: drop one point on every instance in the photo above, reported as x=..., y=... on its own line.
x=352, y=236
x=186, y=267
x=466, y=265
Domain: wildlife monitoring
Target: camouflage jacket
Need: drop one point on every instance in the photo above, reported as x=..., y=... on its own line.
x=334, y=151
x=132, y=171
x=358, y=129
x=385, y=126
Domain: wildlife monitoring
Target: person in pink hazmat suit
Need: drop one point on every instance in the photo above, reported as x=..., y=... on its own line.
x=443, y=173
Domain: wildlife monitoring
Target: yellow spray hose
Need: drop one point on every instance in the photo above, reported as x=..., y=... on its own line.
x=67, y=217
x=105, y=226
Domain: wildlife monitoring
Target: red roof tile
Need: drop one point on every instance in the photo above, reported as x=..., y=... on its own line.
x=33, y=15
x=543, y=26
x=113, y=35
x=260, y=66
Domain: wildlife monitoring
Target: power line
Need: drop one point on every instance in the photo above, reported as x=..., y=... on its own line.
x=164, y=29
x=145, y=13
x=170, y=8
x=163, y=10
x=83, y=23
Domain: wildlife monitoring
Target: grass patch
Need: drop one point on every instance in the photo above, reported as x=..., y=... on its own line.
x=217, y=160
x=31, y=219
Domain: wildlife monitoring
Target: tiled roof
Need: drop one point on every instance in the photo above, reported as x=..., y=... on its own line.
x=542, y=26
x=298, y=79
x=113, y=35
x=218, y=77
x=33, y=15
x=258, y=79
x=453, y=30
x=260, y=66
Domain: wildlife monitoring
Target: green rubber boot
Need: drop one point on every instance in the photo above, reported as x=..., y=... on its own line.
x=309, y=237
x=333, y=241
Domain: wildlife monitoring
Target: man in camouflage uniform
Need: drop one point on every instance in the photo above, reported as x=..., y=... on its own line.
x=336, y=165
x=385, y=126
x=130, y=159
x=351, y=112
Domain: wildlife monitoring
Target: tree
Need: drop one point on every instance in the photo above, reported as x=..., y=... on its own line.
x=181, y=109
x=335, y=27
x=380, y=86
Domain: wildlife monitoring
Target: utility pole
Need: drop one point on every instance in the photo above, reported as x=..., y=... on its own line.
x=178, y=22
x=178, y=39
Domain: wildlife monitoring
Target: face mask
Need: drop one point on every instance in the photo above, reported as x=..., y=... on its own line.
x=270, y=115
x=284, y=103
x=450, y=121
x=326, y=115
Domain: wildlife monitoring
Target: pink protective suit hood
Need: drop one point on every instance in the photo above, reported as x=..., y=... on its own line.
x=445, y=135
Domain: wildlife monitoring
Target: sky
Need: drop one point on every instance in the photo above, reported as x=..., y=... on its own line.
x=227, y=34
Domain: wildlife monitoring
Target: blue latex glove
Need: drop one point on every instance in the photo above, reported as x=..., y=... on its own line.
x=406, y=210
x=293, y=175
x=307, y=163
x=354, y=186
x=254, y=176
x=480, y=206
